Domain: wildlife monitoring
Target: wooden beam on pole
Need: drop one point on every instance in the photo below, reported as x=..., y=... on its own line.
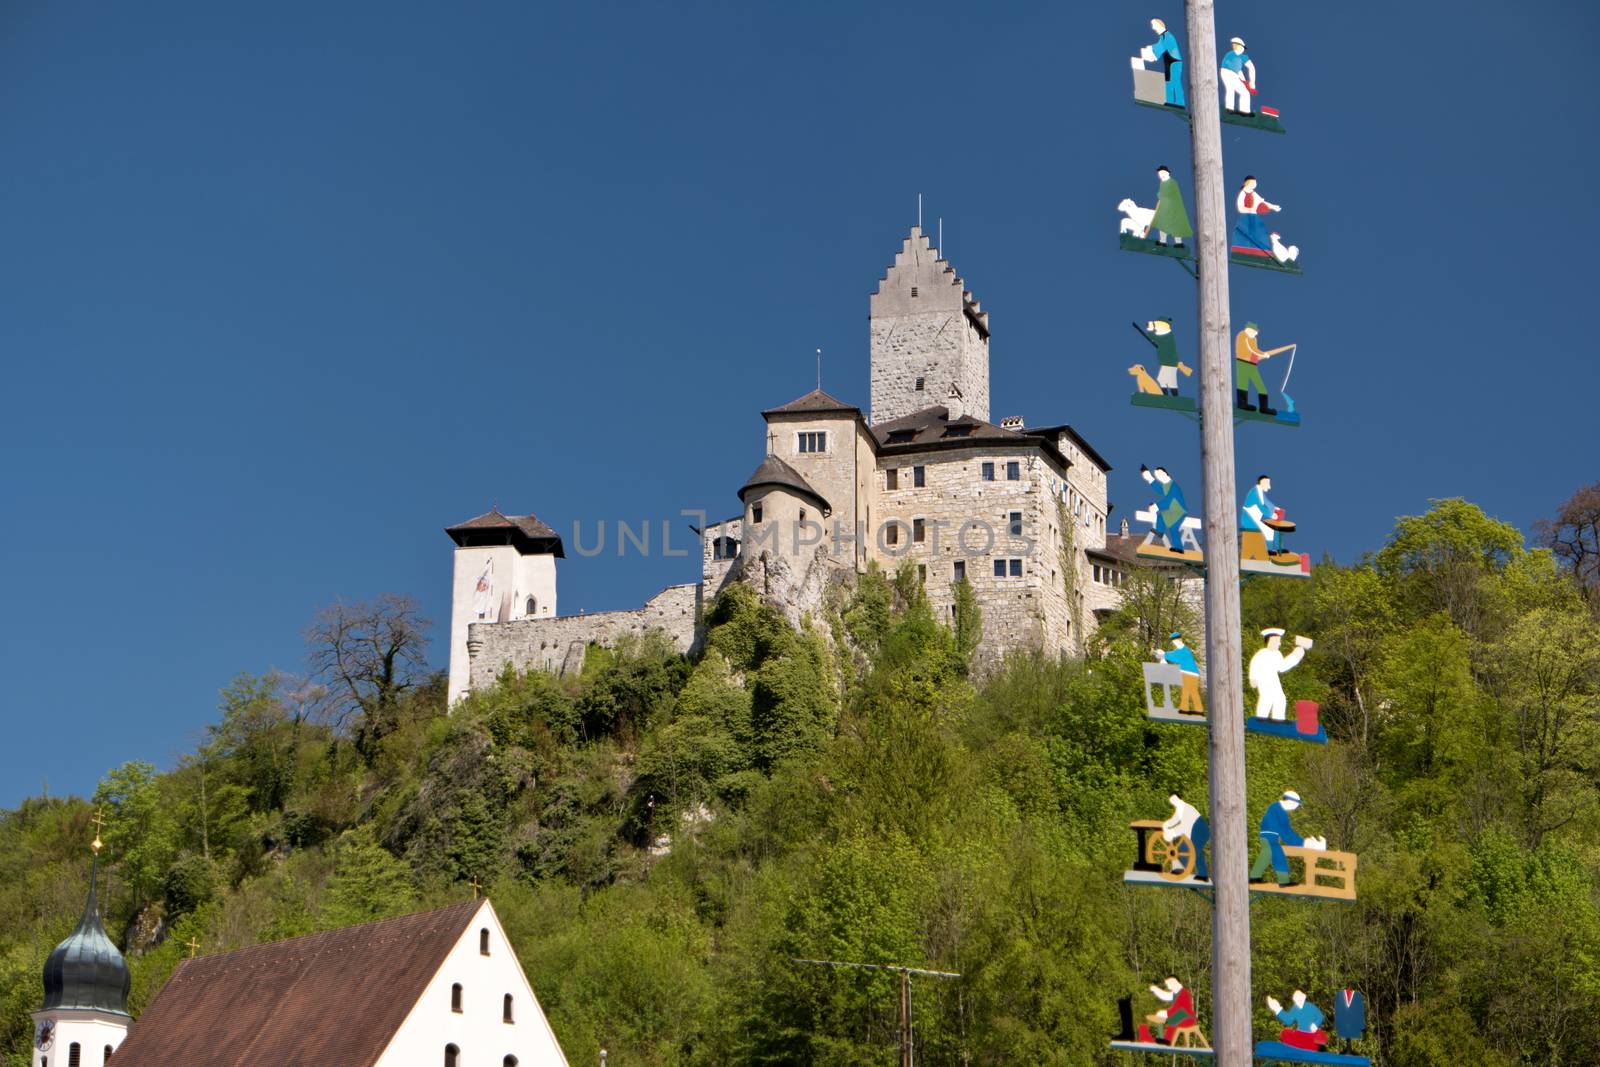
x=1230, y=862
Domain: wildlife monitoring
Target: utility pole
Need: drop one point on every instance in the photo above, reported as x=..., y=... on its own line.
x=907, y=1050
x=1230, y=915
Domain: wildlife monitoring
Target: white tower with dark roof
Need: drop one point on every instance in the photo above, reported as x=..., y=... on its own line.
x=505, y=570
x=928, y=334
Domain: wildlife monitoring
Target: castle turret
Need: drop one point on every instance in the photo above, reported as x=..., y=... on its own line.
x=86, y=985
x=505, y=569
x=928, y=334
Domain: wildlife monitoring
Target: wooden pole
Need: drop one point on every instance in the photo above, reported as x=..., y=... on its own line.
x=905, y=1019
x=1230, y=859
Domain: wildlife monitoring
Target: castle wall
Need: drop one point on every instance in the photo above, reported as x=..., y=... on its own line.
x=558, y=644
x=1029, y=610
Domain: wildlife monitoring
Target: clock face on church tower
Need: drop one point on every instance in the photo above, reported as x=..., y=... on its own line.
x=46, y=1036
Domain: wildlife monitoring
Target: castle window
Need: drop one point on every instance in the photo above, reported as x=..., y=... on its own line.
x=483, y=935
x=988, y=472
x=1014, y=521
x=452, y=1056
x=1097, y=572
x=755, y=512
x=921, y=382
x=75, y=1055
x=960, y=570
x=919, y=530
x=891, y=478
x=1013, y=471
x=1016, y=568
x=919, y=476
x=802, y=514
x=506, y=1015
x=891, y=534
x=914, y=293
x=533, y=606
x=812, y=441
x=455, y=998
x=999, y=568
x=1008, y=567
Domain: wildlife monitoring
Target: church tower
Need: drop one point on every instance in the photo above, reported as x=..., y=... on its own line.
x=86, y=983
x=928, y=335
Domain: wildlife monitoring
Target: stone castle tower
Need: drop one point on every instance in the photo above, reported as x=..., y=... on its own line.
x=928, y=335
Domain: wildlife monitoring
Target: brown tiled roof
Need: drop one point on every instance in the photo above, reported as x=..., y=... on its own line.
x=327, y=1000
x=812, y=403
x=932, y=428
x=524, y=531
x=1119, y=548
x=1088, y=449
x=774, y=471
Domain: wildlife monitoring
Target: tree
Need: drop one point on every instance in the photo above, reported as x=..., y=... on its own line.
x=969, y=621
x=1353, y=615
x=140, y=831
x=368, y=655
x=1573, y=534
x=1439, y=560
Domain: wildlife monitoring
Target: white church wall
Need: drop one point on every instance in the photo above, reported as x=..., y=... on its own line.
x=478, y=1030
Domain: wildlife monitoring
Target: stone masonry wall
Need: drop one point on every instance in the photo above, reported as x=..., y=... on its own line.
x=558, y=644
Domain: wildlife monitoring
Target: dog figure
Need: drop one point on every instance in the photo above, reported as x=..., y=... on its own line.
x=1284, y=253
x=1145, y=383
x=1136, y=219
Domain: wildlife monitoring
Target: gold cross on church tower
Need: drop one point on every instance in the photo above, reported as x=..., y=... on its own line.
x=99, y=820
x=193, y=946
x=475, y=887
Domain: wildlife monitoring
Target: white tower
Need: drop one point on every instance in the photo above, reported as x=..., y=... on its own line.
x=928, y=334
x=86, y=983
x=505, y=572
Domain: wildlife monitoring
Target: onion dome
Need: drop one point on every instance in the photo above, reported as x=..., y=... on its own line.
x=86, y=971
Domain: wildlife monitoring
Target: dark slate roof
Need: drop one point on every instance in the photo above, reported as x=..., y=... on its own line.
x=1088, y=449
x=813, y=403
x=932, y=428
x=86, y=970
x=774, y=471
x=525, y=532
x=333, y=998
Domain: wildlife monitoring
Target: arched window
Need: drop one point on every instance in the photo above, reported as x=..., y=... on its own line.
x=455, y=998
x=509, y=1061
x=533, y=606
x=107, y=1058
x=483, y=942
x=452, y=1055
x=75, y=1055
x=506, y=1015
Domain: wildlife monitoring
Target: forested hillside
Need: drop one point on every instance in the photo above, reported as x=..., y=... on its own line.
x=664, y=835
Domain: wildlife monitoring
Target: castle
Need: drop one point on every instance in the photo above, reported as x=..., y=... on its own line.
x=1019, y=512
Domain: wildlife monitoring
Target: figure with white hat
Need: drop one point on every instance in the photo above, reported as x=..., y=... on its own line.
x=1265, y=667
x=1276, y=831
x=1238, y=78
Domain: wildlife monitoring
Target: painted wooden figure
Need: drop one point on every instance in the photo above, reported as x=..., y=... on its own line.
x=1252, y=244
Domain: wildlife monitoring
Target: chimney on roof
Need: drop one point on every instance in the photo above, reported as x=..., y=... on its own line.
x=1012, y=423
x=1124, y=526
x=953, y=405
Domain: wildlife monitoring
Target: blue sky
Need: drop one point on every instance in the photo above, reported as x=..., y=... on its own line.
x=289, y=288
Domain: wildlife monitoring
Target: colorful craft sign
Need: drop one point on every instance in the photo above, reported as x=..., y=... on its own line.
x=1263, y=526
x=1304, y=1036
x=1172, y=852
x=1172, y=532
x=1248, y=356
x=1252, y=244
x=1172, y=693
x=1279, y=846
x=1162, y=390
x=1162, y=86
x=1148, y=229
x=1172, y=1028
